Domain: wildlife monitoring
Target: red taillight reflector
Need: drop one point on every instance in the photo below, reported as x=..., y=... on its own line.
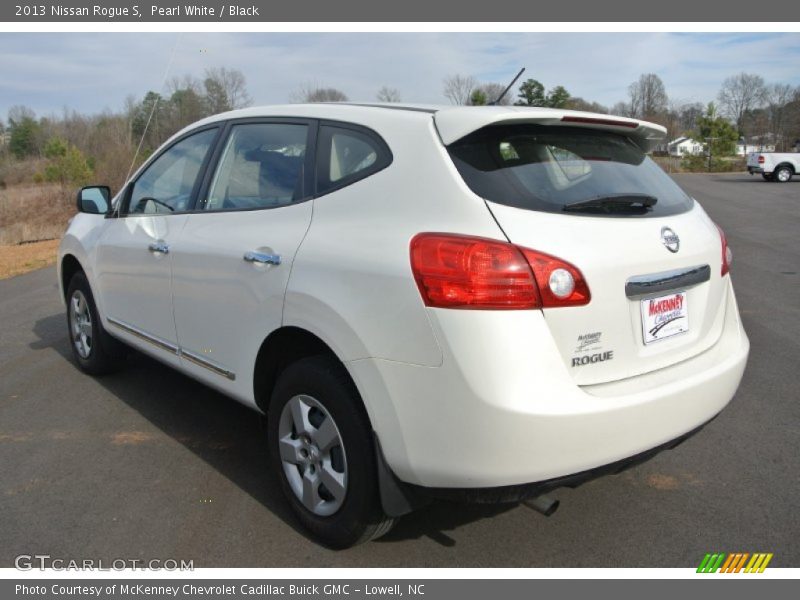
x=597, y=121
x=727, y=253
x=761, y=160
x=456, y=271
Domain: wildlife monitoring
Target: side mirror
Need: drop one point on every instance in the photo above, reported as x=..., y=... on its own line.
x=94, y=199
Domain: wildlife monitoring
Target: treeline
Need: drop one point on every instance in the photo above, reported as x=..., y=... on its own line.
x=74, y=148
x=746, y=108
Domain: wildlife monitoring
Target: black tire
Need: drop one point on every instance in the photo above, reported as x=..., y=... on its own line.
x=360, y=516
x=766, y=177
x=782, y=171
x=105, y=354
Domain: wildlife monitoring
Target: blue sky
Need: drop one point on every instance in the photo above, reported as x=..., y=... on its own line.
x=91, y=72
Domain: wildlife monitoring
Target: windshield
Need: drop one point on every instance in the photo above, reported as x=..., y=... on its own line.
x=546, y=168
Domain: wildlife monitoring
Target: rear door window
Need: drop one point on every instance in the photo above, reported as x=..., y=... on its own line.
x=547, y=168
x=261, y=166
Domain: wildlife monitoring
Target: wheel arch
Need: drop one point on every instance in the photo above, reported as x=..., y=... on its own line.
x=785, y=164
x=281, y=348
x=69, y=266
x=289, y=344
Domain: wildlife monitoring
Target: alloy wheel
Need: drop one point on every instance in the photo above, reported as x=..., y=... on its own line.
x=80, y=319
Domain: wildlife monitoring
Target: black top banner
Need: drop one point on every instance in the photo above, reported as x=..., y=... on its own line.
x=258, y=11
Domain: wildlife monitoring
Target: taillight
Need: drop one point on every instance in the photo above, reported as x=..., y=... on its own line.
x=560, y=283
x=456, y=271
x=727, y=253
x=761, y=160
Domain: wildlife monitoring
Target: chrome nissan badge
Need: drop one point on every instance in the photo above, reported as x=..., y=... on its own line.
x=670, y=239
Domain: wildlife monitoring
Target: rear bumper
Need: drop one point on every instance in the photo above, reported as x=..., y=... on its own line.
x=752, y=170
x=516, y=493
x=502, y=410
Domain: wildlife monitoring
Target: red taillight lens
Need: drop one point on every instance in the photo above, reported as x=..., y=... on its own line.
x=761, y=160
x=727, y=253
x=456, y=271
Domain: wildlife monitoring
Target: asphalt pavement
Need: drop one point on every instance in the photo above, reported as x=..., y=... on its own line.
x=149, y=464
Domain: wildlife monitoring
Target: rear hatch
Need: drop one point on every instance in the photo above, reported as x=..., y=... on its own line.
x=587, y=193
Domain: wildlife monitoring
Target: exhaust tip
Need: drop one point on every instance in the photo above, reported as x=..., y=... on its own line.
x=542, y=504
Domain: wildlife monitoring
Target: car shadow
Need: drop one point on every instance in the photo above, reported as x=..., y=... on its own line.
x=231, y=438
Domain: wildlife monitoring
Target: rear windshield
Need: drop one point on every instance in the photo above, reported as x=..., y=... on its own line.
x=547, y=168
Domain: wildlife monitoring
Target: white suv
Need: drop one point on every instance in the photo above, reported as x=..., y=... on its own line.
x=483, y=303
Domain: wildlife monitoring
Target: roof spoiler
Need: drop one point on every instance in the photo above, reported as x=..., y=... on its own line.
x=456, y=123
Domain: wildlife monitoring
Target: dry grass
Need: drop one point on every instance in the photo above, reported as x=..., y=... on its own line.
x=31, y=213
x=16, y=260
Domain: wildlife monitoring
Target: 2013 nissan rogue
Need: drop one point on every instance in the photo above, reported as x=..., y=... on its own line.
x=483, y=303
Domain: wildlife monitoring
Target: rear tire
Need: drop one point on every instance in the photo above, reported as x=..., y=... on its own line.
x=95, y=351
x=318, y=434
x=782, y=174
x=766, y=177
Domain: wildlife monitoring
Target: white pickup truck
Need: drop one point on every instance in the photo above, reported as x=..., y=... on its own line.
x=774, y=166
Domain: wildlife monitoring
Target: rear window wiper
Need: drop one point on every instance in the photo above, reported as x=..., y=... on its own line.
x=614, y=203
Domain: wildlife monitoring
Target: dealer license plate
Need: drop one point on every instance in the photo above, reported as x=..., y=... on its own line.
x=664, y=317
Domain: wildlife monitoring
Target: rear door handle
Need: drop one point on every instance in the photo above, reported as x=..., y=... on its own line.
x=262, y=258
x=161, y=247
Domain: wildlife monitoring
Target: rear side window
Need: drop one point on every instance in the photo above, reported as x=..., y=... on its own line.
x=548, y=168
x=347, y=155
x=261, y=167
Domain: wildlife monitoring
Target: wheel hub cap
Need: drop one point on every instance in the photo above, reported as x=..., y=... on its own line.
x=312, y=455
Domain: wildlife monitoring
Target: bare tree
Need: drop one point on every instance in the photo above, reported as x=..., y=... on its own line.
x=312, y=93
x=232, y=83
x=576, y=103
x=648, y=97
x=622, y=109
x=458, y=88
x=740, y=94
x=492, y=92
x=18, y=113
x=388, y=94
x=779, y=97
x=689, y=113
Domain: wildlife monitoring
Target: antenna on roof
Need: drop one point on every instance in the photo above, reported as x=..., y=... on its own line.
x=505, y=91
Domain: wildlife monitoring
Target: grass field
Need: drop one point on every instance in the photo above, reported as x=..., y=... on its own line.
x=32, y=213
x=32, y=220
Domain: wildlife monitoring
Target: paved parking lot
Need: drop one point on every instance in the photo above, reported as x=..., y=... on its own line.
x=149, y=464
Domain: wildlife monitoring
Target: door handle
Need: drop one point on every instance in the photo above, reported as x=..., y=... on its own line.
x=262, y=258
x=161, y=247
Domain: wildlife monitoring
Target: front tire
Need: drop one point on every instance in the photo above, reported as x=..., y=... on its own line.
x=95, y=351
x=321, y=449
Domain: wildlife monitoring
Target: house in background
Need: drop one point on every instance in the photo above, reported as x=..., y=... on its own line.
x=685, y=146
